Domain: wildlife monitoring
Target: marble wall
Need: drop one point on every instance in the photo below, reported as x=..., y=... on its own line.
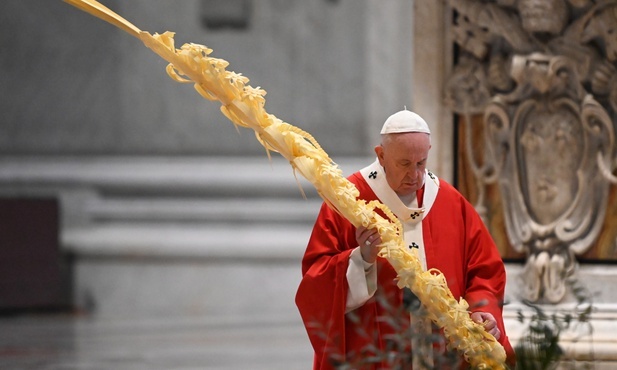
x=73, y=85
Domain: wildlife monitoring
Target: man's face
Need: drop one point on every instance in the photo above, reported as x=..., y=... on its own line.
x=403, y=157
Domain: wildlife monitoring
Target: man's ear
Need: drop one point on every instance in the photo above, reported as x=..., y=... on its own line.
x=378, y=149
x=379, y=152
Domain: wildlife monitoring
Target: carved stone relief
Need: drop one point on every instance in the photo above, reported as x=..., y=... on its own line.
x=542, y=73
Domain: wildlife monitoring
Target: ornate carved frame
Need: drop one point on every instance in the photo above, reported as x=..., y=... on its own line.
x=542, y=74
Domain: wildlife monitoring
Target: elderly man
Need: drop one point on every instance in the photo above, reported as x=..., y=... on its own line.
x=348, y=299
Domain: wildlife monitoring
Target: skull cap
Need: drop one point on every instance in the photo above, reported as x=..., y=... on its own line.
x=405, y=121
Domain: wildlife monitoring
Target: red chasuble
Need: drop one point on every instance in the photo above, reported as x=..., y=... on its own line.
x=456, y=243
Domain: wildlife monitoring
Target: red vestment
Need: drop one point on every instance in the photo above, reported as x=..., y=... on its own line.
x=456, y=243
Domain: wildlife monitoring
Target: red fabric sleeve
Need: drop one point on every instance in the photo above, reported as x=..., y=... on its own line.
x=459, y=245
x=322, y=294
x=486, y=275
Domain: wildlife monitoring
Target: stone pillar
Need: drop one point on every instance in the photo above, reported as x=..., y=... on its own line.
x=432, y=61
x=389, y=83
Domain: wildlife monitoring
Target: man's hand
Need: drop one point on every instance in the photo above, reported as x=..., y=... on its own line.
x=488, y=321
x=368, y=240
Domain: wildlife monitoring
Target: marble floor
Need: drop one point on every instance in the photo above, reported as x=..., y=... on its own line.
x=63, y=342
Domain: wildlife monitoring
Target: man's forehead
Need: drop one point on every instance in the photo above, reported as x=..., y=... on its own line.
x=407, y=138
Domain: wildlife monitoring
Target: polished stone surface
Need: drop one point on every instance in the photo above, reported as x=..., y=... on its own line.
x=61, y=341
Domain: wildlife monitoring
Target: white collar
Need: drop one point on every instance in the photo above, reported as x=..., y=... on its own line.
x=375, y=176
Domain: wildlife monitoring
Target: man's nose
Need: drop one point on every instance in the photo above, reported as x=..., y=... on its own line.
x=413, y=174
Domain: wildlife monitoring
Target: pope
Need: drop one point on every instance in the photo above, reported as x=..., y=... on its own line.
x=353, y=311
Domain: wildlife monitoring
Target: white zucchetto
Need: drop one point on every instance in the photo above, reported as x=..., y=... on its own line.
x=404, y=121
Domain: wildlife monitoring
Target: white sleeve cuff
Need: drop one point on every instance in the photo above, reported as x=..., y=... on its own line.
x=362, y=280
